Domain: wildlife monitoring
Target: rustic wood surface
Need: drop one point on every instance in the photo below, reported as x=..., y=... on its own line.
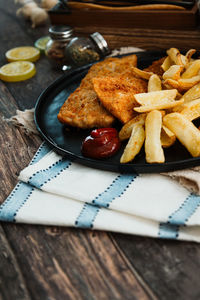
x=43, y=262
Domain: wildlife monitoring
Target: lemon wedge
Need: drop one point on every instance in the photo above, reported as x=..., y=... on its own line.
x=27, y=53
x=41, y=43
x=17, y=71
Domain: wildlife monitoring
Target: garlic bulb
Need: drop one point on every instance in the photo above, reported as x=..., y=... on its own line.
x=38, y=17
x=27, y=10
x=48, y=4
x=31, y=11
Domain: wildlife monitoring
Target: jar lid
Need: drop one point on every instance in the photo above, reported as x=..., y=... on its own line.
x=60, y=32
x=100, y=42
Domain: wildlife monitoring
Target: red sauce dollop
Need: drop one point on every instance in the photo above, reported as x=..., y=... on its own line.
x=101, y=143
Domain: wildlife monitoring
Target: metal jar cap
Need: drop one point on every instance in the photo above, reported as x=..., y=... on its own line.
x=100, y=42
x=60, y=32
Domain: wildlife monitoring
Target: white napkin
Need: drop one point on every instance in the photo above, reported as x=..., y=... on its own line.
x=55, y=191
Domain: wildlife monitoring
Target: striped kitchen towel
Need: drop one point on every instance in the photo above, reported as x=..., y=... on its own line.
x=53, y=190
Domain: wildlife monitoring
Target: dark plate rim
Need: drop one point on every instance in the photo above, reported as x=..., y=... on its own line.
x=103, y=164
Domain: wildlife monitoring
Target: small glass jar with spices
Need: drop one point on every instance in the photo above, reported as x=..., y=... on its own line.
x=81, y=50
x=60, y=36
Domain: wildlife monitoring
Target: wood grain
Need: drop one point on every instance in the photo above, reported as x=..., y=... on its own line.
x=17, y=148
x=12, y=285
x=169, y=267
x=149, y=39
x=142, y=16
x=71, y=263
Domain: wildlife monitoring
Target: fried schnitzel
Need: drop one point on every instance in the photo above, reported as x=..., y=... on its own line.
x=117, y=94
x=82, y=108
x=155, y=67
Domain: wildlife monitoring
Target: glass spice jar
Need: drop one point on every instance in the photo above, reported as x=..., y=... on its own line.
x=60, y=36
x=82, y=50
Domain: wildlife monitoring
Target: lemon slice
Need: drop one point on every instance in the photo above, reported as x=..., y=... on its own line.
x=17, y=71
x=23, y=53
x=41, y=43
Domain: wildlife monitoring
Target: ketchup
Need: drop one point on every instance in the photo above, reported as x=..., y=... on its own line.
x=101, y=143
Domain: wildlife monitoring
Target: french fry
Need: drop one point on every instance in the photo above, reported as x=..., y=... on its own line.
x=166, y=86
x=189, y=54
x=182, y=85
x=126, y=130
x=134, y=144
x=191, y=110
x=192, y=94
x=143, y=74
x=188, y=83
x=154, y=83
x=173, y=84
x=185, y=131
x=153, y=149
x=192, y=70
x=184, y=60
x=179, y=95
x=174, y=72
x=167, y=105
x=176, y=56
x=167, y=64
x=156, y=97
x=168, y=138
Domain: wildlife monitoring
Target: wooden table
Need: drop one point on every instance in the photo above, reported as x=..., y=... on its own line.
x=43, y=262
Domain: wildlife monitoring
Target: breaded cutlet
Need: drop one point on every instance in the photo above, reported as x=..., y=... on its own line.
x=82, y=108
x=155, y=67
x=111, y=66
x=117, y=94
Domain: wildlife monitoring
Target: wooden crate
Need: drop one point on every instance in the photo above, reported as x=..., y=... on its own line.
x=163, y=19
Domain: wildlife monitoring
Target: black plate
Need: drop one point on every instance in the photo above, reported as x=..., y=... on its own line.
x=68, y=142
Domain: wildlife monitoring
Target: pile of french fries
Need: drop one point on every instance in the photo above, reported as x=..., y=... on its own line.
x=166, y=111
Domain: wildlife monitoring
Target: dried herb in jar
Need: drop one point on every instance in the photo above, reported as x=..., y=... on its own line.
x=81, y=51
